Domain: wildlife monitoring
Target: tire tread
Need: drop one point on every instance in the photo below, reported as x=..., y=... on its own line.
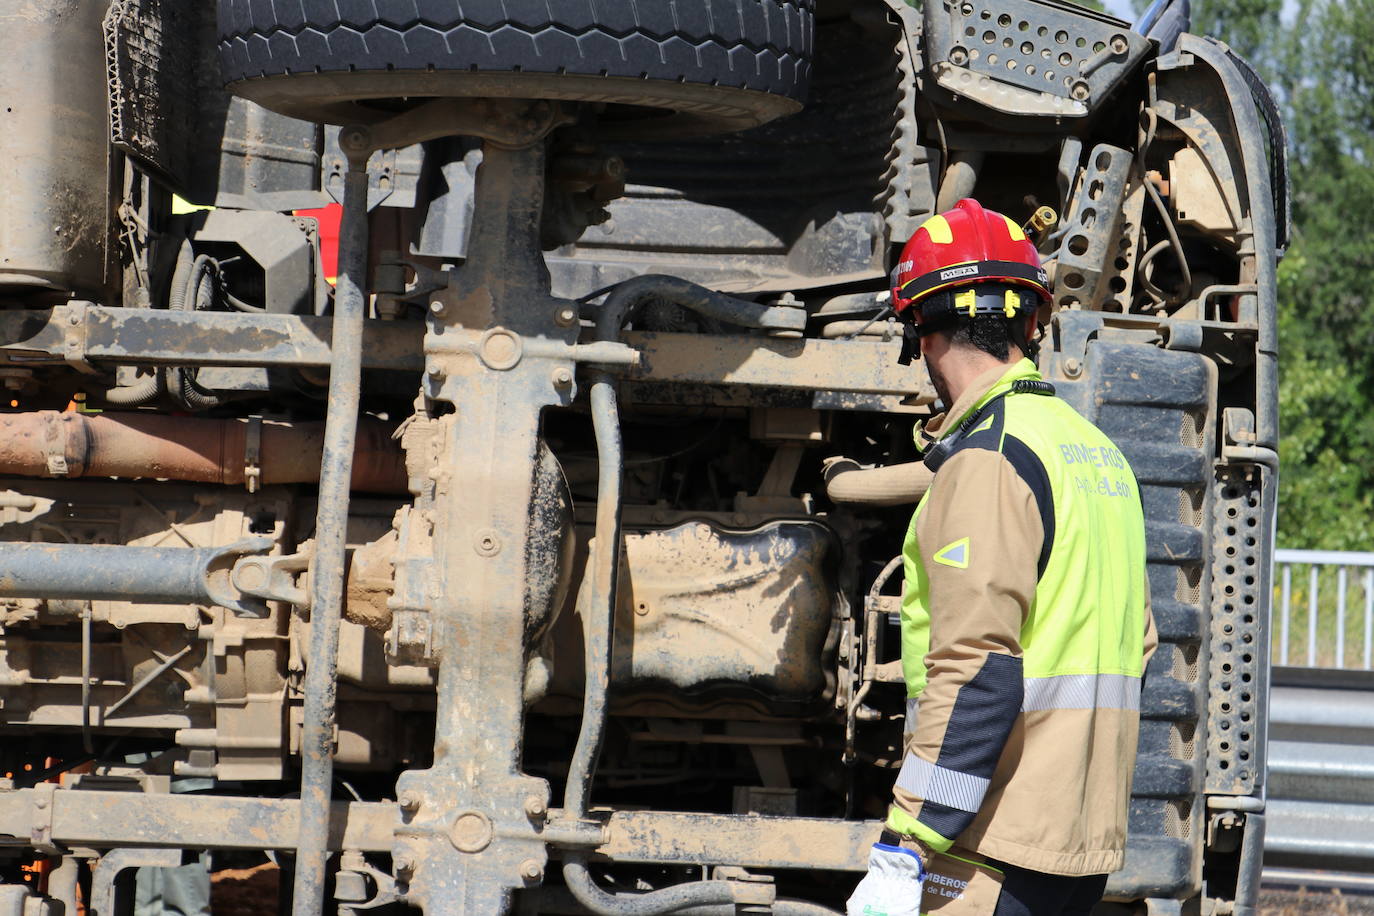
x=761, y=45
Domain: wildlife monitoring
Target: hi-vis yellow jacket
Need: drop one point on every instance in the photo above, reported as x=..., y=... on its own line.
x=1025, y=631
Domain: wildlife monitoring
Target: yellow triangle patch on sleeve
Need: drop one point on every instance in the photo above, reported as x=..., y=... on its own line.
x=955, y=554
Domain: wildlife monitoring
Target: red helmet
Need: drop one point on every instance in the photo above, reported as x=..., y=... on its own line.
x=962, y=248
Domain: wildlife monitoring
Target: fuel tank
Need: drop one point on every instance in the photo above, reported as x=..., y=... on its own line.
x=54, y=148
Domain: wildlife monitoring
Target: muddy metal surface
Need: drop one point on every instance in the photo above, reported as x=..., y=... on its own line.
x=510, y=554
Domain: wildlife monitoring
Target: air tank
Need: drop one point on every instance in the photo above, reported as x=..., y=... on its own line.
x=55, y=207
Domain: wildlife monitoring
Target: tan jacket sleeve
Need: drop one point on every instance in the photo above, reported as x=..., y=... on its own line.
x=979, y=536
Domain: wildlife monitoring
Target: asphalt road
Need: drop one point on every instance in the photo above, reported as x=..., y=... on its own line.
x=1321, y=902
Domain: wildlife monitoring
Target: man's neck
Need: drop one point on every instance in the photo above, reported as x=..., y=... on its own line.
x=965, y=369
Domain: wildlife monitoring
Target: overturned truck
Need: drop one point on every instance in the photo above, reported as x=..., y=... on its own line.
x=532, y=548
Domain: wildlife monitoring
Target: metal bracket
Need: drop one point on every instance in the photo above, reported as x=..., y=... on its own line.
x=273, y=578
x=753, y=893
x=222, y=588
x=40, y=828
x=427, y=280
x=74, y=337
x=350, y=884
x=114, y=862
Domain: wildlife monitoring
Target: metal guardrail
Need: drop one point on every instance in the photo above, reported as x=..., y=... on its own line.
x=1318, y=600
x=1320, y=808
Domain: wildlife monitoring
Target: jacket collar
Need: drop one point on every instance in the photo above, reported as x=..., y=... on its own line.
x=984, y=388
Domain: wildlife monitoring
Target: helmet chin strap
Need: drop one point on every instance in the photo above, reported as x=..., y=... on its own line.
x=911, y=343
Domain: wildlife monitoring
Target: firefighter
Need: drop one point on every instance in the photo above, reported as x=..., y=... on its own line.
x=1025, y=620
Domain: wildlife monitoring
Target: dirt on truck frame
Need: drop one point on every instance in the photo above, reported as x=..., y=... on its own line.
x=544, y=560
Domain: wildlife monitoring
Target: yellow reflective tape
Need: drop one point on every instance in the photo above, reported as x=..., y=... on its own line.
x=1011, y=301
x=967, y=300
x=1016, y=234
x=955, y=554
x=180, y=205
x=938, y=230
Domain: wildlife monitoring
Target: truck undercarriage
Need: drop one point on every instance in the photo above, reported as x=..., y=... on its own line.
x=546, y=561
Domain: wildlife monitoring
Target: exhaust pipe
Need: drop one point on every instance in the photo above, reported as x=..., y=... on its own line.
x=133, y=445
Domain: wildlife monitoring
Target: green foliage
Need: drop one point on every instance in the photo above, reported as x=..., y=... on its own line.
x=1248, y=26
x=1320, y=66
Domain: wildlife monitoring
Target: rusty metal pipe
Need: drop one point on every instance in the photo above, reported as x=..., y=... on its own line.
x=139, y=445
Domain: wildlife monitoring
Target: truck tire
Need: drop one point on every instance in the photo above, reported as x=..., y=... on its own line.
x=711, y=64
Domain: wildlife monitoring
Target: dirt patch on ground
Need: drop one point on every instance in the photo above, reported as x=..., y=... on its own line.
x=245, y=891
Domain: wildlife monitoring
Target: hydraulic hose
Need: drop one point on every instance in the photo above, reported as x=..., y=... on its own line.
x=783, y=907
x=668, y=900
x=605, y=565
x=695, y=298
x=600, y=622
x=960, y=176
x=606, y=558
x=700, y=898
x=137, y=394
x=192, y=288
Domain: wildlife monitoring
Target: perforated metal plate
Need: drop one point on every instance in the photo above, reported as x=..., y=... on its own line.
x=1030, y=56
x=1097, y=257
x=1232, y=759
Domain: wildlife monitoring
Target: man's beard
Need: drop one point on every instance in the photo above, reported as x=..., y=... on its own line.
x=941, y=386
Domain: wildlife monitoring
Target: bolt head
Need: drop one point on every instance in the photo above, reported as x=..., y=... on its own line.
x=566, y=316
x=531, y=870
x=409, y=801
x=1080, y=91
x=562, y=377
x=251, y=575
x=436, y=308
x=354, y=139
x=535, y=806
x=471, y=832
x=435, y=370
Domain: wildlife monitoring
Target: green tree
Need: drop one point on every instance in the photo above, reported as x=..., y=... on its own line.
x=1320, y=66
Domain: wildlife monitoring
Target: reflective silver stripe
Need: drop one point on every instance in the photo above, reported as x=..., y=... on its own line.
x=1082, y=691
x=946, y=787
x=909, y=723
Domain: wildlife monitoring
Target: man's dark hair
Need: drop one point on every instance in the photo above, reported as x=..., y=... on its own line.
x=992, y=334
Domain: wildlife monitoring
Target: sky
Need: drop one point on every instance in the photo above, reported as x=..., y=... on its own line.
x=1121, y=9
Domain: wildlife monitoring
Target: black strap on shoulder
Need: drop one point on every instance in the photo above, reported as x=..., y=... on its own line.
x=939, y=453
